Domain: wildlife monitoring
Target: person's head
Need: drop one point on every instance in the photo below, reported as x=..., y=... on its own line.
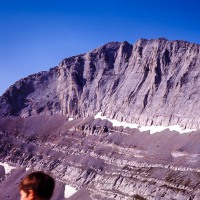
x=37, y=186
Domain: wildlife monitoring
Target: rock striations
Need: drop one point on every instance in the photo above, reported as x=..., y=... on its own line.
x=108, y=163
x=47, y=123
x=153, y=82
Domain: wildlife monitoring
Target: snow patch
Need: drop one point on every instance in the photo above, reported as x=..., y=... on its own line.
x=177, y=154
x=7, y=167
x=152, y=129
x=70, y=119
x=69, y=191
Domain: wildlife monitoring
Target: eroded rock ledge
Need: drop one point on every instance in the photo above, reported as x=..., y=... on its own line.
x=110, y=163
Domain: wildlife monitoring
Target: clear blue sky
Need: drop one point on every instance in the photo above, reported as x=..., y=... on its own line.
x=36, y=35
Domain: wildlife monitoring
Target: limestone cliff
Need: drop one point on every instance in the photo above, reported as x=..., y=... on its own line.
x=151, y=82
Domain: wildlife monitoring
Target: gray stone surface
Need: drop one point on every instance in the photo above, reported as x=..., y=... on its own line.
x=101, y=161
x=9, y=186
x=151, y=82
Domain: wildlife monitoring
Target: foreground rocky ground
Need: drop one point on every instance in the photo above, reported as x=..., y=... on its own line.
x=101, y=161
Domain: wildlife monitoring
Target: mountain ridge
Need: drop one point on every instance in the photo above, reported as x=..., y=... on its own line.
x=152, y=82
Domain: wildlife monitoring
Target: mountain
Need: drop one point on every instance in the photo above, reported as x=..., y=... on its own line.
x=48, y=122
x=153, y=82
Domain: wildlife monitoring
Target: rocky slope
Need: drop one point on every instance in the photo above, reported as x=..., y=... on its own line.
x=10, y=182
x=151, y=82
x=109, y=163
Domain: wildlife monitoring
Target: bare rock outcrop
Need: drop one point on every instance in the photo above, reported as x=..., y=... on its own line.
x=153, y=82
x=104, y=162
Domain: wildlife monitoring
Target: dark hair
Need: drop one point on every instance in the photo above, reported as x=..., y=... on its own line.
x=42, y=185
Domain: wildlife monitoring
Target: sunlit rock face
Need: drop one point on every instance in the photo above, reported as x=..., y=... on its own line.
x=50, y=121
x=153, y=82
x=101, y=161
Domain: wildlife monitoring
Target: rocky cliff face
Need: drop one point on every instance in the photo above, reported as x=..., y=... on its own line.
x=153, y=82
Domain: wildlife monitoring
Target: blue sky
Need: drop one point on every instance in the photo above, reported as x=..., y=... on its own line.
x=36, y=35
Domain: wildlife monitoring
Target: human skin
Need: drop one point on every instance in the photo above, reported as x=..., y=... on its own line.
x=25, y=196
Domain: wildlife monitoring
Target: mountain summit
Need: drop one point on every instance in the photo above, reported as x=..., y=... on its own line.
x=153, y=82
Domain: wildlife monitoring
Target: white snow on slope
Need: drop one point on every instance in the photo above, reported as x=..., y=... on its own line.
x=69, y=191
x=152, y=129
x=7, y=167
